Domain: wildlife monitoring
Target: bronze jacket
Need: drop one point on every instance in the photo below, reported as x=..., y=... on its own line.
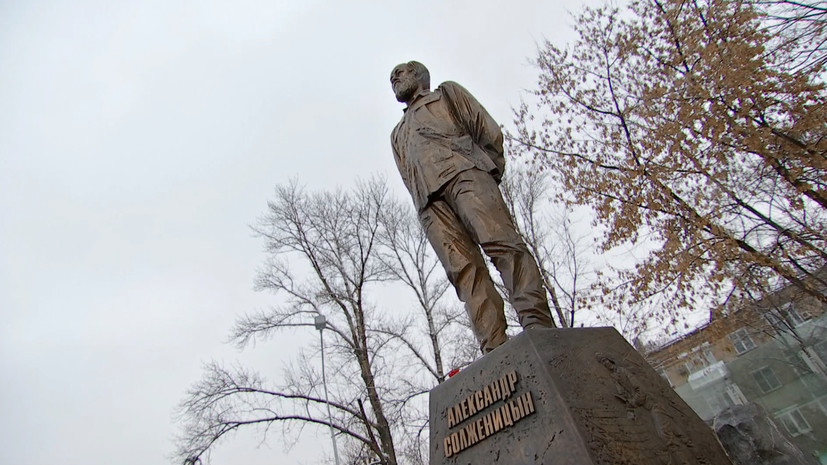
x=441, y=134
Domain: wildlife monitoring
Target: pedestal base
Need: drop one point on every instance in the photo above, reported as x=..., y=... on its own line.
x=565, y=397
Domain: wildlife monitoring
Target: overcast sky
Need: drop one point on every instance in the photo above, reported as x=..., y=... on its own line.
x=138, y=140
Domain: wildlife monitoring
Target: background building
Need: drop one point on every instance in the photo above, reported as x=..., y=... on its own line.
x=771, y=353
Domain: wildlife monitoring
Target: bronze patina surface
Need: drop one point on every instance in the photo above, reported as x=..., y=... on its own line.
x=449, y=151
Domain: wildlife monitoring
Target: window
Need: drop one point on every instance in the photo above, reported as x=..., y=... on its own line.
x=741, y=341
x=766, y=379
x=774, y=320
x=786, y=317
x=795, y=422
x=793, y=317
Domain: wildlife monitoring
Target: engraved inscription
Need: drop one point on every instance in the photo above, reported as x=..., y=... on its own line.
x=491, y=422
x=500, y=389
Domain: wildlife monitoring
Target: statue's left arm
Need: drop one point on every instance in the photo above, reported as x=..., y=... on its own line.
x=476, y=121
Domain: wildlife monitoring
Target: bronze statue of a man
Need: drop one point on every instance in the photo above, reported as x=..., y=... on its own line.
x=449, y=152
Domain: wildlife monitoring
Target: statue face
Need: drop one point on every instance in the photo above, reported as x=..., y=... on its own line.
x=404, y=83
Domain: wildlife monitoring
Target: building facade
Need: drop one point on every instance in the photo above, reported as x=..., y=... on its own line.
x=772, y=354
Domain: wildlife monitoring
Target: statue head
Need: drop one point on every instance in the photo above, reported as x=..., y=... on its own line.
x=408, y=79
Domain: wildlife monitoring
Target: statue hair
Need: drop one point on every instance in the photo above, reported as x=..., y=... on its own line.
x=421, y=73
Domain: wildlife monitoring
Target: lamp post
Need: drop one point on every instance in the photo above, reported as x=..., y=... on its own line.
x=320, y=322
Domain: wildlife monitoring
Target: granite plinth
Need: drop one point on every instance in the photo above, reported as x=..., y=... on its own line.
x=565, y=397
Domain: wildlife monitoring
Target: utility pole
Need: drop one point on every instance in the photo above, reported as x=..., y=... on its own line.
x=320, y=322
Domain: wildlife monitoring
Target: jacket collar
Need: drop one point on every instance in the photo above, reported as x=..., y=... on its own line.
x=423, y=97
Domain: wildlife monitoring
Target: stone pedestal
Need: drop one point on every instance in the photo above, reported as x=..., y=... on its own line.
x=565, y=397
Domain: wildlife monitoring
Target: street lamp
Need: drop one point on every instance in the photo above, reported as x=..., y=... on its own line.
x=320, y=322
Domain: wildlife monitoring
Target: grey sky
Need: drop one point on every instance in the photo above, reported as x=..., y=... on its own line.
x=138, y=140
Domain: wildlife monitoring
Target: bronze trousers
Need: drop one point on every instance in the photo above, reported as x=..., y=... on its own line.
x=468, y=213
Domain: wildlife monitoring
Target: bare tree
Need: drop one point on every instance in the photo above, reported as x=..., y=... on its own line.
x=563, y=242
x=549, y=232
x=352, y=245
x=435, y=335
x=411, y=261
x=799, y=33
